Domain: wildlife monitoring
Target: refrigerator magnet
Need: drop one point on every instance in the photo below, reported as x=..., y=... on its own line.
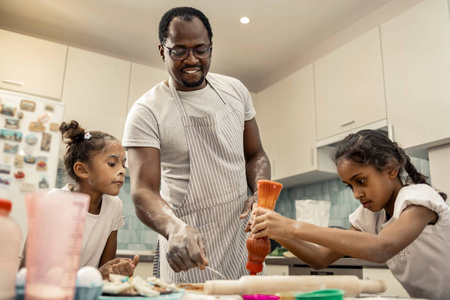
x=19, y=175
x=54, y=127
x=20, y=115
x=10, y=148
x=29, y=159
x=41, y=163
x=44, y=118
x=27, y=105
x=27, y=186
x=5, y=169
x=46, y=141
x=49, y=107
x=31, y=139
x=7, y=110
x=43, y=181
x=5, y=182
x=18, y=161
x=36, y=126
x=27, y=150
x=10, y=135
x=11, y=123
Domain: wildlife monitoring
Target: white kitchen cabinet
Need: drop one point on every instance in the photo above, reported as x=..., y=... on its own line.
x=143, y=78
x=266, y=117
x=349, y=86
x=96, y=91
x=393, y=287
x=30, y=65
x=416, y=56
x=289, y=124
x=440, y=168
x=277, y=270
x=295, y=114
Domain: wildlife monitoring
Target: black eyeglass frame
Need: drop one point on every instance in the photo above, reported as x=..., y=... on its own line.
x=187, y=53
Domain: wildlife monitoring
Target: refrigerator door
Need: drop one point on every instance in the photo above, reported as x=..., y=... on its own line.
x=29, y=148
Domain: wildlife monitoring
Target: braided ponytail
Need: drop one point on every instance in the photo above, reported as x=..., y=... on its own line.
x=414, y=176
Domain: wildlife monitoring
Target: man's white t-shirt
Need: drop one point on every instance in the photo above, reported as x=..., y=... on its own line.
x=97, y=228
x=155, y=121
x=423, y=266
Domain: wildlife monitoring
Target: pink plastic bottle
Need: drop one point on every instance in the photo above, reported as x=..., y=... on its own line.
x=10, y=239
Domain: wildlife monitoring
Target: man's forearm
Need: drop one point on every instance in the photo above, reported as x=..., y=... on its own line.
x=155, y=213
x=257, y=168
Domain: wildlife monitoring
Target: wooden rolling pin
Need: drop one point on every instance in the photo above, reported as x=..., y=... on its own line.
x=352, y=285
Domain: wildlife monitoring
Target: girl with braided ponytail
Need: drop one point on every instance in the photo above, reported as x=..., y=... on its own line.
x=95, y=161
x=402, y=220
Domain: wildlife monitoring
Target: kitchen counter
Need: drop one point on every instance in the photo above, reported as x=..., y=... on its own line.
x=144, y=255
x=344, y=262
x=280, y=265
x=148, y=256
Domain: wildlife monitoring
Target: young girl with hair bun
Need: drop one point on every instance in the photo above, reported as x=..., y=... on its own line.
x=402, y=220
x=95, y=160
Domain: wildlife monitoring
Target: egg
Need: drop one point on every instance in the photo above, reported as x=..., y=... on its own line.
x=21, y=277
x=88, y=276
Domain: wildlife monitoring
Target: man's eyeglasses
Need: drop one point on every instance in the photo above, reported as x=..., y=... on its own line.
x=202, y=52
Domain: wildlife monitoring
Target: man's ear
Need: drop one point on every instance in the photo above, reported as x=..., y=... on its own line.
x=161, y=52
x=81, y=170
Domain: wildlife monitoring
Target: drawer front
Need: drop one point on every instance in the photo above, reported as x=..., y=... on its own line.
x=341, y=270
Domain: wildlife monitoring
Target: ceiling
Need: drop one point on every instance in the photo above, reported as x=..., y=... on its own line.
x=279, y=31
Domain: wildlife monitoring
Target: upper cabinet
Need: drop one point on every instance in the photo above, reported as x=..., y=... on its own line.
x=416, y=55
x=266, y=117
x=286, y=120
x=295, y=114
x=30, y=65
x=96, y=91
x=349, y=86
x=143, y=78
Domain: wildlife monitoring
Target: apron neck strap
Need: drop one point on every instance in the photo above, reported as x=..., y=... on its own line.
x=177, y=99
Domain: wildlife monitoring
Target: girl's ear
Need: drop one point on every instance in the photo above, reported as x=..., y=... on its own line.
x=392, y=168
x=81, y=170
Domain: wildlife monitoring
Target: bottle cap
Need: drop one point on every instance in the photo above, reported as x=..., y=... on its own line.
x=254, y=267
x=5, y=205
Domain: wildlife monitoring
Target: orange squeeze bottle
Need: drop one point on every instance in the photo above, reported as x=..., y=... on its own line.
x=258, y=249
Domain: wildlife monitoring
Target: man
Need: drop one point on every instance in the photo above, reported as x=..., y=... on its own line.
x=195, y=137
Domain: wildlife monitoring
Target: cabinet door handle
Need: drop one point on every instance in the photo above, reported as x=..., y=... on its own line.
x=348, y=123
x=13, y=82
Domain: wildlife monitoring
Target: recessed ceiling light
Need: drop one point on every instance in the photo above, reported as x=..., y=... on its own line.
x=245, y=20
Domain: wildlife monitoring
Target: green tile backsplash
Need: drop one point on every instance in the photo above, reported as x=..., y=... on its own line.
x=136, y=236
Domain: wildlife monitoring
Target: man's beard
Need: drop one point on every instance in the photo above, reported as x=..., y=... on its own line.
x=190, y=84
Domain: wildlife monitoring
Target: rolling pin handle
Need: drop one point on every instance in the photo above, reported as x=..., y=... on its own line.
x=372, y=286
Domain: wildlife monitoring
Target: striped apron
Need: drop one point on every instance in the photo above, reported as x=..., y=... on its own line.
x=215, y=195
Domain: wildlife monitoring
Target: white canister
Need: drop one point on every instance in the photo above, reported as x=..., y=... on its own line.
x=313, y=211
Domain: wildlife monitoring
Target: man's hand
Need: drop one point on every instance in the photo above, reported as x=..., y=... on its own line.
x=186, y=250
x=120, y=266
x=248, y=205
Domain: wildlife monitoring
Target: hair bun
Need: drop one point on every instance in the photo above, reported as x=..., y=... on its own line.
x=71, y=132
